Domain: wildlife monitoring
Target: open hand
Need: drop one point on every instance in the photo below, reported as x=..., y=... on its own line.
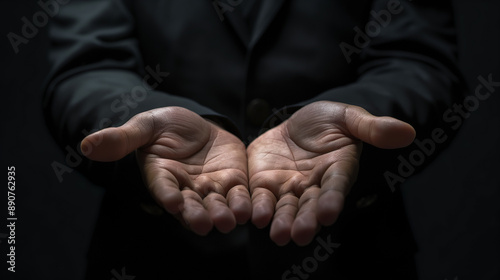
x=301, y=171
x=196, y=170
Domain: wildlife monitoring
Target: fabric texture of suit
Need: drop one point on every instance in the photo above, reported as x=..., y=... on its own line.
x=113, y=59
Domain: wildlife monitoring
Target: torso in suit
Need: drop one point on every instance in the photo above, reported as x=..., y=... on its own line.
x=249, y=65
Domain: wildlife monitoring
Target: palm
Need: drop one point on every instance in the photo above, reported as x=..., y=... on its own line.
x=301, y=171
x=288, y=166
x=194, y=169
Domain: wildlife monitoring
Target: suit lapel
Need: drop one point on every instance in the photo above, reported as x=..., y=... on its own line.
x=267, y=13
x=235, y=19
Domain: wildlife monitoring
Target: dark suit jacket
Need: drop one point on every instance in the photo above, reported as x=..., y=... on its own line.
x=113, y=59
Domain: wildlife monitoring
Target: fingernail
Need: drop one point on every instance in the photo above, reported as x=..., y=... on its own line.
x=86, y=149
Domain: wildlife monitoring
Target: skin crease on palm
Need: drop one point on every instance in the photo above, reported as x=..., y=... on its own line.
x=294, y=177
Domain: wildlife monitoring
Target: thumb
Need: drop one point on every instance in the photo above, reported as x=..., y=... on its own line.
x=381, y=132
x=114, y=143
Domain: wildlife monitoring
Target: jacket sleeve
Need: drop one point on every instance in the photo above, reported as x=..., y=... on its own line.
x=98, y=78
x=406, y=63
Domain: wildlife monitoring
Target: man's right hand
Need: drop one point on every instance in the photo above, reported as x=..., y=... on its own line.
x=194, y=169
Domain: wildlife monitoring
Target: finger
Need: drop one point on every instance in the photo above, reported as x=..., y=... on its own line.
x=382, y=132
x=239, y=202
x=164, y=187
x=286, y=209
x=194, y=213
x=306, y=223
x=263, y=202
x=114, y=143
x=219, y=212
x=335, y=186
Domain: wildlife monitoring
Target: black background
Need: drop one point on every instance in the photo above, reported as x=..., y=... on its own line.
x=453, y=205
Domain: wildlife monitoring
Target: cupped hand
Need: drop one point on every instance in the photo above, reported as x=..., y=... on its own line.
x=301, y=171
x=194, y=169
